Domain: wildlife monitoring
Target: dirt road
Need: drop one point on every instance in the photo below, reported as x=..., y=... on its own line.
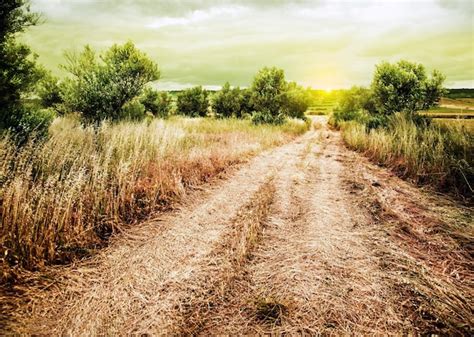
x=307, y=238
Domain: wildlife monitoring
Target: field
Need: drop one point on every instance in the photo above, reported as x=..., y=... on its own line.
x=322, y=102
x=457, y=112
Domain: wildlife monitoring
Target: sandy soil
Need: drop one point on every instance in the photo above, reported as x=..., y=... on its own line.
x=306, y=238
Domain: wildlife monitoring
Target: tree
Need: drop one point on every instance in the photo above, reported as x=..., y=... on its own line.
x=193, y=102
x=227, y=101
x=98, y=88
x=404, y=87
x=18, y=70
x=159, y=104
x=269, y=96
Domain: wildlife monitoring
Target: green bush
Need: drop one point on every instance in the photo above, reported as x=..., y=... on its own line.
x=133, y=110
x=298, y=100
x=157, y=103
x=405, y=87
x=269, y=96
x=356, y=98
x=49, y=91
x=246, y=106
x=35, y=121
x=266, y=117
x=226, y=102
x=99, y=88
x=193, y=102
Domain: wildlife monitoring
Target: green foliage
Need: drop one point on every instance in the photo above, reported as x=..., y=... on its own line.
x=298, y=101
x=133, y=110
x=157, y=103
x=193, y=102
x=99, y=88
x=35, y=121
x=266, y=117
x=269, y=96
x=49, y=91
x=18, y=70
x=226, y=102
x=15, y=17
x=404, y=87
x=355, y=99
x=246, y=106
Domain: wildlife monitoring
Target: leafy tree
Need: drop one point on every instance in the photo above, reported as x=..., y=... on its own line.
x=193, y=102
x=269, y=96
x=159, y=104
x=98, y=88
x=405, y=87
x=18, y=70
x=227, y=101
x=298, y=100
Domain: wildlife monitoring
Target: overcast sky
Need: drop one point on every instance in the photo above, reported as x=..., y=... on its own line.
x=323, y=44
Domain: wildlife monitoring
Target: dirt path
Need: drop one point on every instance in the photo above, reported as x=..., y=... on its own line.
x=307, y=238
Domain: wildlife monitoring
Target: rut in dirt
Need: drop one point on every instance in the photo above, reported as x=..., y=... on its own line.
x=306, y=238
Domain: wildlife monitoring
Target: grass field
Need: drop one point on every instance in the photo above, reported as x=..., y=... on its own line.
x=66, y=195
x=462, y=103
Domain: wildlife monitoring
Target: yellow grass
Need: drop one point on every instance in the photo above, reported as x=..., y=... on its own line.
x=438, y=155
x=66, y=195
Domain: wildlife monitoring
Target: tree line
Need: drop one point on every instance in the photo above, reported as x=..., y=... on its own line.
x=115, y=85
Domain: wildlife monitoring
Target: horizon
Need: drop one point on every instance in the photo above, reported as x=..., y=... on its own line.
x=324, y=45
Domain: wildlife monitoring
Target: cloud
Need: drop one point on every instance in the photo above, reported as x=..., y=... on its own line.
x=318, y=43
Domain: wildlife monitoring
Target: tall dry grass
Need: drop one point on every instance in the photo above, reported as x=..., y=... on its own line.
x=442, y=156
x=67, y=194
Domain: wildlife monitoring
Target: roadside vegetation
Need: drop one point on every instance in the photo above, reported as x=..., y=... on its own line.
x=384, y=122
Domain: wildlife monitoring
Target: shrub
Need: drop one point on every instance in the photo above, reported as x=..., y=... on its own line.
x=49, y=91
x=193, y=102
x=158, y=104
x=98, y=88
x=404, y=87
x=266, y=117
x=246, y=106
x=226, y=102
x=356, y=98
x=269, y=96
x=165, y=104
x=298, y=100
x=133, y=110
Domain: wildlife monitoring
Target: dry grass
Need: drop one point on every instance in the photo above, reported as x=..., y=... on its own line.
x=427, y=258
x=66, y=195
x=441, y=156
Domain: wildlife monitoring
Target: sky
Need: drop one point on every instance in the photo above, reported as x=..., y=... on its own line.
x=322, y=44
